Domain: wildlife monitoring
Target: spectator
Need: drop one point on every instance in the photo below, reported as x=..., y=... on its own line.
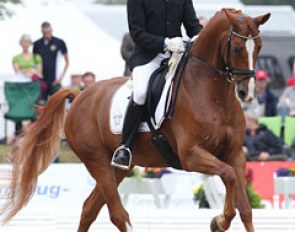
x=260, y=143
x=49, y=47
x=127, y=48
x=266, y=102
x=76, y=81
x=88, y=79
x=286, y=105
x=27, y=67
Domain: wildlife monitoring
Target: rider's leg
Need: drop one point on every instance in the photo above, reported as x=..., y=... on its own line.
x=133, y=117
x=141, y=75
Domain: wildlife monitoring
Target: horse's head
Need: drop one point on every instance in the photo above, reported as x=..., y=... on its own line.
x=242, y=46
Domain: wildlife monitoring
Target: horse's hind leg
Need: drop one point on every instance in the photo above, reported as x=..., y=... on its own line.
x=91, y=208
x=105, y=192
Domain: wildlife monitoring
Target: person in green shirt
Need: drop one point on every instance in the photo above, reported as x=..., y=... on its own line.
x=27, y=64
x=28, y=67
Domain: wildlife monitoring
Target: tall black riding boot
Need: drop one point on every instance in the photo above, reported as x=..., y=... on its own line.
x=122, y=157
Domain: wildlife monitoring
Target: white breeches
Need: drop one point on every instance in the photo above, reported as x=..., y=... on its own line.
x=141, y=76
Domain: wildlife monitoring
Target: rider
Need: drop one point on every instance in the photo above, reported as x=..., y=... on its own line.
x=155, y=26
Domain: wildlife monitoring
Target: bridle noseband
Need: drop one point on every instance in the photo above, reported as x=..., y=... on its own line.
x=229, y=72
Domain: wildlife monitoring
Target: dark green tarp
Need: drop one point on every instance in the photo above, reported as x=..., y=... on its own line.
x=21, y=98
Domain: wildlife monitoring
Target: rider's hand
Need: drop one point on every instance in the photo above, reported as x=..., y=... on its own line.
x=194, y=38
x=174, y=44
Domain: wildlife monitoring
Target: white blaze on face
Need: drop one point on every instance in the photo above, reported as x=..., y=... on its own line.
x=250, y=45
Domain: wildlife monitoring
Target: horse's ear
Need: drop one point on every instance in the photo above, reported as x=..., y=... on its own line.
x=261, y=19
x=231, y=17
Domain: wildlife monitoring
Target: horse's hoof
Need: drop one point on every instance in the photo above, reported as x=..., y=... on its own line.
x=214, y=225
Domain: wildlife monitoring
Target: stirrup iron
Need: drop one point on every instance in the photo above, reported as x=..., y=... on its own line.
x=122, y=167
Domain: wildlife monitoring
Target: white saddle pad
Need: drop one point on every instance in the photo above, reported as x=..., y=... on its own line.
x=118, y=108
x=122, y=95
x=119, y=105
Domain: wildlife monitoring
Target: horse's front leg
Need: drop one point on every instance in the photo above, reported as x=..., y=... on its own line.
x=238, y=162
x=197, y=159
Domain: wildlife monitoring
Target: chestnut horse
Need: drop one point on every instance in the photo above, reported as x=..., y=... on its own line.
x=206, y=130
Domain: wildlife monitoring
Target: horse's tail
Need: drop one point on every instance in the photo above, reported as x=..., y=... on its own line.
x=36, y=150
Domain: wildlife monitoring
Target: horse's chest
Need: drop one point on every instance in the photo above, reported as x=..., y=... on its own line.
x=221, y=137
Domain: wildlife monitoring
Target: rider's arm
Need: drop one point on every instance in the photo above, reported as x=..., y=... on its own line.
x=190, y=21
x=137, y=28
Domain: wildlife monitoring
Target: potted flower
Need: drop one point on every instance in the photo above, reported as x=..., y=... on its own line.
x=254, y=198
x=200, y=197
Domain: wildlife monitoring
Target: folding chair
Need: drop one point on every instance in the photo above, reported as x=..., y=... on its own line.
x=21, y=98
x=289, y=131
x=273, y=123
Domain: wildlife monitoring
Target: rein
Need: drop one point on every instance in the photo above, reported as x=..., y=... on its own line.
x=229, y=72
x=179, y=74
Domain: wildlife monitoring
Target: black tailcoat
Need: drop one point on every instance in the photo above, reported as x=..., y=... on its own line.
x=151, y=21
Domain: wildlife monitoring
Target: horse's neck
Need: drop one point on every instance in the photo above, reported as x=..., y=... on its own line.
x=203, y=80
x=208, y=47
x=202, y=83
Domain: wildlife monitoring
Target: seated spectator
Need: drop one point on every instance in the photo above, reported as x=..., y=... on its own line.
x=266, y=102
x=88, y=79
x=27, y=67
x=260, y=143
x=26, y=64
x=286, y=105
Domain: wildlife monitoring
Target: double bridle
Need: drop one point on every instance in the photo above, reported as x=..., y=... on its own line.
x=229, y=72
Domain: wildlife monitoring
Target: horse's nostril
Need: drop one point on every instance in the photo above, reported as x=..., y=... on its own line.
x=242, y=94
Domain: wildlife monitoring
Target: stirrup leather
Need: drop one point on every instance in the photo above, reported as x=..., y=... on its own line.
x=123, y=167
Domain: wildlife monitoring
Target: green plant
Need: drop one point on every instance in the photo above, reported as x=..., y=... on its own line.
x=253, y=196
x=3, y=10
x=13, y=1
x=148, y=172
x=200, y=197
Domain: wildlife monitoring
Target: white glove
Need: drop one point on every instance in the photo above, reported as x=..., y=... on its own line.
x=194, y=38
x=174, y=44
